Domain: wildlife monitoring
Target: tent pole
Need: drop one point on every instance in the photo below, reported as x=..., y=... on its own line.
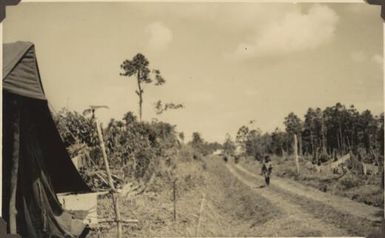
x=14, y=173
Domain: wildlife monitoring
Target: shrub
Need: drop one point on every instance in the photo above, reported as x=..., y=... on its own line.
x=134, y=147
x=349, y=181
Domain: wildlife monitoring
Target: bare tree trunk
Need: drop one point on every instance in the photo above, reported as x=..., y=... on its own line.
x=140, y=94
x=355, y=140
x=287, y=147
x=300, y=145
x=316, y=156
x=140, y=106
x=311, y=142
x=338, y=143
x=323, y=139
x=334, y=154
x=367, y=143
x=342, y=142
x=295, y=148
x=348, y=144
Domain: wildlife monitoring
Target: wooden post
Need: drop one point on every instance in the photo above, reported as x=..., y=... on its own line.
x=300, y=152
x=14, y=173
x=174, y=197
x=295, y=147
x=200, y=215
x=115, y=196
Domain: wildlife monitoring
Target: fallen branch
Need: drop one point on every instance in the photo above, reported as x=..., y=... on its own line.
x=101, y=178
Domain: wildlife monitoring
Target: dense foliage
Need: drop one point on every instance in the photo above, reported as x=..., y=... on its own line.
x=136, y=148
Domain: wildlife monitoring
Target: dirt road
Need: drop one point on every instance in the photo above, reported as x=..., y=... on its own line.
x=308, y=212
x=226, y=200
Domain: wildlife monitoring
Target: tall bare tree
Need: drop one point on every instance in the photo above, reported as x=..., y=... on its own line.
x=138, y=67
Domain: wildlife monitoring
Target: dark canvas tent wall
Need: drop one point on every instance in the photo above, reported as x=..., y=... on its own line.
x=30, y=136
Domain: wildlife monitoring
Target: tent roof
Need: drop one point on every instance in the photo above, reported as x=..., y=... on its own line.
x=21, y=81
x=20, y=70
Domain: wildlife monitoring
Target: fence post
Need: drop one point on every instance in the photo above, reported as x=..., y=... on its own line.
x=200, y=215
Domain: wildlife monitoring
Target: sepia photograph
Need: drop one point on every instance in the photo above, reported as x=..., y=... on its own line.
x=192, y=119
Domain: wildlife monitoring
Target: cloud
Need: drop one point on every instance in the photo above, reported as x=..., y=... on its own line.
x=378, y=59
x=159, y=36
x=251, y=92
x=355, y=8
x=361, y=56
x=229, y=16
x=295, y=31
x=358, y=56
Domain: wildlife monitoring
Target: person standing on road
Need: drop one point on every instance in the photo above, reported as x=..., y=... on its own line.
x=266, y=169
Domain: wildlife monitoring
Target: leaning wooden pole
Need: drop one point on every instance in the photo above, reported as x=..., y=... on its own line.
x=103, y=147
x=14, y=174
x=295, y=149
x=115, y=196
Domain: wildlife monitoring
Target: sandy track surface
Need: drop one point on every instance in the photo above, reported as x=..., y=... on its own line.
x=294, y=220
x=299, y=220
x=341, y=204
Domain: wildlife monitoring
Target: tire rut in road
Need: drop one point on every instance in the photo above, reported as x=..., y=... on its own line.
x=341, y=204
x=356, y=218
x=295, y=221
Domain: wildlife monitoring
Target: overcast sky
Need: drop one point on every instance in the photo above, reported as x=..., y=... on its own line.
x=227, y=63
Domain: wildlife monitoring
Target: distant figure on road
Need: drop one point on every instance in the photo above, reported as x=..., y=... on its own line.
x=225, y=158
x=266, y=169
x=236, y=159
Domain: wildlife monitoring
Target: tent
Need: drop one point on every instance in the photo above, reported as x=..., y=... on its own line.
x=33, y=148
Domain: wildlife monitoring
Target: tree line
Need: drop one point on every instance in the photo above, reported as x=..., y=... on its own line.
x=322, y=135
